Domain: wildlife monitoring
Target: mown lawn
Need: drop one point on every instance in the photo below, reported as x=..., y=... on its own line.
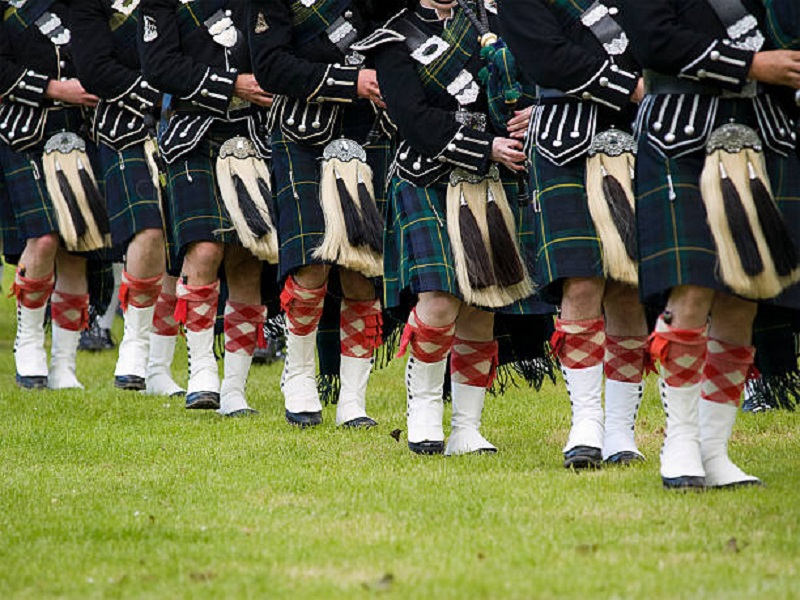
x=110, y=494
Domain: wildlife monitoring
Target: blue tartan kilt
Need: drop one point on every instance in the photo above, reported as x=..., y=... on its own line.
x=676, y=246
x=296, y=171
x=131, y=198
x=196, y=208
x=32, y=214
x=417, y=254
x=10, y=242
x=568, y=244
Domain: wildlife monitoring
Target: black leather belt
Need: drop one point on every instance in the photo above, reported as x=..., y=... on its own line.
x=657, y=83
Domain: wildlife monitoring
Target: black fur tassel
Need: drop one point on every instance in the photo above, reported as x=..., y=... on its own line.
x=508, y=267
x=95, y=201
x=621, y=212
x=72, y=203
x=373, y=222
x=255, y=222
x=479, y=267
x=352, y=218
x=780, y=243
x=738, y=223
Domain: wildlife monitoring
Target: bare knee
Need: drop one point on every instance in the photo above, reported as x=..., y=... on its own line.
x=202, y=262
x=689, y=306
x=437, y=309
x=624, y=313
x=312, y=277
x=474, y=324
x=732, y=319
x=42, y=249
x=582, y=298
x=355, y=286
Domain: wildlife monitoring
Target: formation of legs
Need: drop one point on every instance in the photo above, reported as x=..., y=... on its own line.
x=601, y=331
x=441, y=325
x=35, y=283
x=702, y=341
x=360, y=329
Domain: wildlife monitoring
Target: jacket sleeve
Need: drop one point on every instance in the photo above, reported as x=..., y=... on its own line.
x=19, y=83
x=662, y=42
x=278, y=68
x=99, y=70
x=429, y=130
x=168, y=68
x=547, y=56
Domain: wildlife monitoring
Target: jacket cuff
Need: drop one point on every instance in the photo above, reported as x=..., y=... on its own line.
x=721, y=65
x=469, y=149
x=338, y=84
x=28, y=89
x=139, y=99
x=215, y=90
x=611, y=86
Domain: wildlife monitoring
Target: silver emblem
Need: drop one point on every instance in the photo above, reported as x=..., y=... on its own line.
x=221, y=28
x=308, y=3
x=613, y=142
x=464, y=88
x=344, y=150
x=64, y=142
x=150, y=30
x=50, y=25
x=432, y=49
x=733, y=138
x=126, y=7
x=238, y=147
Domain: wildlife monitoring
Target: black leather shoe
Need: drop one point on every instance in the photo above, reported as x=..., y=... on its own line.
x=583, y=457
x=242, y=413
x=361, y=423
x=426, y=448
x=32, y=382
x=129, y=382
x=202, y=401
x=304, y=419
x=686, y=482
x=624, y=458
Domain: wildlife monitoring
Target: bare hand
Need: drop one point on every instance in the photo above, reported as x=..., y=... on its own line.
x=638, y=93
x=509, y=153
x=778, y=67
x=70, y=91
x=246, y=87
x=368, y=87
x=518, y=124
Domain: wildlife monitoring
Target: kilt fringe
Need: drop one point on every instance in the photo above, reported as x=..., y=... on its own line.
x=243, y=181
x=79, y=207
x=756, y=256
x=609, y=189
x=776, y=391
x=477, y=251
x=353, y=226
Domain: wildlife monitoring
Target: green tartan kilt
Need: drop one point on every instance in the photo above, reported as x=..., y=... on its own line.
x=10, y=242
x=676, y=246
x=196, y=209
x=296, y=171
x=31, y=210
x=417, y=254
x=131, y=198
x=568, y=244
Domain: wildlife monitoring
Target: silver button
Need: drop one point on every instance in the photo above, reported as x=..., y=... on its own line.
x=330, y=81
x=451, y=147
x=459, y=136
x=204, y=92
x=714, y=55
x=702, y=73
x=121, y=104
x=613, y=11
x=669, y=138
x=604, y=82
x=348, y=14
x=228, y=13
x=586, y=96
x=688, y=130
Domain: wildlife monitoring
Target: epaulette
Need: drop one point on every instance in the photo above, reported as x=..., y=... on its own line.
x=386, y=34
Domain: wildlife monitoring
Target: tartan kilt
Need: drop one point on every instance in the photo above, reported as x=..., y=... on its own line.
x=296, y=171
x=131, y=199
x=417, y=256
x=676, y=246
x=23, y=172
x=196, y=209
x=568, y=244
x=10, y=242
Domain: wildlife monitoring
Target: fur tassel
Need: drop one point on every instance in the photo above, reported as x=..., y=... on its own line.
x=780, y=243
x=94, y=200
x=350, y=213
x=508, y=267
x=247, y=198
x=479, y=266
x=609, y=190
x=72, y=203
x=336, y=246
x=372, y=220
x=255, y=222
x=742, y=234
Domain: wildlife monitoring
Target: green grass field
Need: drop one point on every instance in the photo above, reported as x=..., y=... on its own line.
x=105, y=494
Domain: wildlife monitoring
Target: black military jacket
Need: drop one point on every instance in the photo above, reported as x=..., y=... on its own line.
x=34, y=49
x=106, y=56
